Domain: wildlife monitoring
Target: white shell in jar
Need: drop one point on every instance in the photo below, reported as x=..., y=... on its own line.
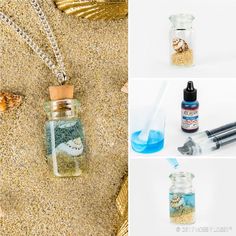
x=179, y=45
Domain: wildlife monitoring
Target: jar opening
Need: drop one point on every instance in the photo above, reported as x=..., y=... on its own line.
x=181, y=176
x=182, y=21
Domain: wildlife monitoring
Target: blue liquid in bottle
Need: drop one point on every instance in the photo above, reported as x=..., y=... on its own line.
x=155, y=142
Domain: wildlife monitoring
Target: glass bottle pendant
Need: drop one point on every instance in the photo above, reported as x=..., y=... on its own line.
x=64, y=134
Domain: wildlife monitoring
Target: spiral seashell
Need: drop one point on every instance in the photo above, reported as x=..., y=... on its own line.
x=177, y=202
x=3, y=104
x=94, y=9
x=179, y=45
x=9, y=101
x=1, y=213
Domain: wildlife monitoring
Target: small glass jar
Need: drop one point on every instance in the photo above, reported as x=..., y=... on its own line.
x=182, y=198
x=64, y=138
x=181, y=40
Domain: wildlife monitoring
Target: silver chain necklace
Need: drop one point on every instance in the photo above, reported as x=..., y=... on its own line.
x=59, y=68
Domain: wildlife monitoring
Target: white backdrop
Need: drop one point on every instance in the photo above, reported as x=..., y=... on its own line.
x=217, y=100
x=215, y=197
x=215, y=37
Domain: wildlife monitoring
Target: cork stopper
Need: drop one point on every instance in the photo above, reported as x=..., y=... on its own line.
x=61, y=92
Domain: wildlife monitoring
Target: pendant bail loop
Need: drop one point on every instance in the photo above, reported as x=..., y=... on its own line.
x=61, y=78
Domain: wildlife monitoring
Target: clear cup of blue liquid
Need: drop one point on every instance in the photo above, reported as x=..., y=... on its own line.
x=153, y=141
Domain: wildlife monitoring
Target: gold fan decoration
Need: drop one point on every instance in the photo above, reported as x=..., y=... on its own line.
x=122, y=206
x=94, y=9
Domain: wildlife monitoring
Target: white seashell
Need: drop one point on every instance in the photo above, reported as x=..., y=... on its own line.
x=177, y=202
x=179, y=45
x=73, y=147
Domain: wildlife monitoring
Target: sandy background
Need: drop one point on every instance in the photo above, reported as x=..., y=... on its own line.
x=95, y=55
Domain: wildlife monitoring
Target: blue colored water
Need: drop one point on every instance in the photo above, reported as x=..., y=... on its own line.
x=182, y=208
x=154, y=143
x=181, y=200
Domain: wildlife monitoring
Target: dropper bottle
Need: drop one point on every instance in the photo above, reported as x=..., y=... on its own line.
x=190, y=106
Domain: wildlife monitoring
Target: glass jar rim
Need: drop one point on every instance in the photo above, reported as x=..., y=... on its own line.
x=188, y=18
x=181, y=175
x=63, y=102
x=65, y=108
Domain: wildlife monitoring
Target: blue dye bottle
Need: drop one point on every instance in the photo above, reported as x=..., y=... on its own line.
x=190, y=106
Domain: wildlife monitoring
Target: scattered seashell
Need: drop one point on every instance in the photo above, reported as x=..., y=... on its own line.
x=9, y=101
x=1, y=213
x=179, y=45
x=3, y=104
x=94, y=9
x=125, y=88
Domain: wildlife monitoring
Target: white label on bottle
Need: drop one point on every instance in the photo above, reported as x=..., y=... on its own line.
x=190, y=119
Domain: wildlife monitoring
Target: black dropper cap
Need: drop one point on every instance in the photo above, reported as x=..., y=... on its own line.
x=190, y=93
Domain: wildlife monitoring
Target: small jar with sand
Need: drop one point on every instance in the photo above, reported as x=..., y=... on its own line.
x=182, y=198
x=181, y=40
x=64, y=133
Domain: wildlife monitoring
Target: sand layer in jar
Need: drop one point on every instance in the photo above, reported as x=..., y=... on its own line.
x=186, y=217
x=182, y=208
x=66, y=165
x=184, y=58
